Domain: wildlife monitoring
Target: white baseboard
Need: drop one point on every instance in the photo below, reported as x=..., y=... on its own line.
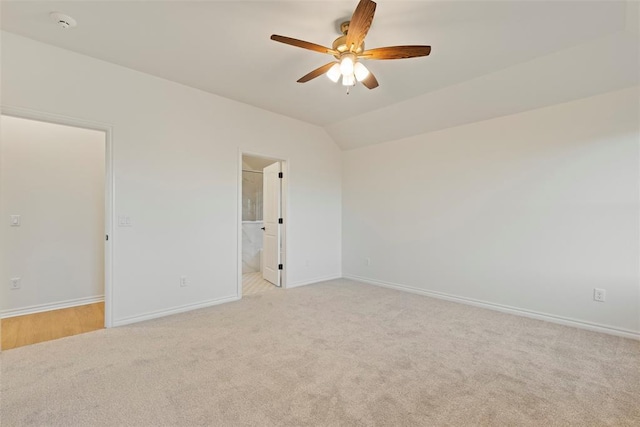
x=174, y=310
x=32, y=309
x=312, y=281
x=626, y=333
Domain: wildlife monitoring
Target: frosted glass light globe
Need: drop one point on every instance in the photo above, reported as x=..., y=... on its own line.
x=334, y=73
x=360, y=71
x=348, y=80
x=346, y=65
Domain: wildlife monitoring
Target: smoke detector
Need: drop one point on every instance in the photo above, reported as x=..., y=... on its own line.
x=64, y=21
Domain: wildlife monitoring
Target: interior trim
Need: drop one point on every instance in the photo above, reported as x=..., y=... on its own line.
x=566, y=321
x=174, y=310
x=32, y=309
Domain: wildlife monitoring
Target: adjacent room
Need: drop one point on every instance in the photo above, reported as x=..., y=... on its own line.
x=262, y=230
x=52, y=190
x=320, y=213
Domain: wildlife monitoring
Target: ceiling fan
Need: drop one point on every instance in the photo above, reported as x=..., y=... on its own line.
x=348, y=50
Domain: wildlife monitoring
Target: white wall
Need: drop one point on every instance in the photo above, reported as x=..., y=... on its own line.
x=53, y=177
x=530, y=211
x=176, y=162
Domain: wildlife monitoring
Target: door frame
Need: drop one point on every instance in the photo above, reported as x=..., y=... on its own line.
x=284, y=200
x=41, y=116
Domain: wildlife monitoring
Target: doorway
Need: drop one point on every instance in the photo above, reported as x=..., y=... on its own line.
x=262, y=224
x=55, y=192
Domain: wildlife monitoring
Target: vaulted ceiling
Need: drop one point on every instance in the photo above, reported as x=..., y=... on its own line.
x=489, y=58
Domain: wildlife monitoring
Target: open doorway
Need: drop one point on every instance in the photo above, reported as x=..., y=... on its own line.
x=54, y=255
x=262, y=224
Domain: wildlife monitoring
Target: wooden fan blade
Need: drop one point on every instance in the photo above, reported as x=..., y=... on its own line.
x=303, y=44
x=360, y=23
x=396, y=52
x=317, y=72
x=370, y=82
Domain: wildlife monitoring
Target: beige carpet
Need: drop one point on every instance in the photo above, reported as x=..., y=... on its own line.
x=337, y=353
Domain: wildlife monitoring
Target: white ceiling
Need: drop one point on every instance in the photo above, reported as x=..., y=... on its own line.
x=489, y=58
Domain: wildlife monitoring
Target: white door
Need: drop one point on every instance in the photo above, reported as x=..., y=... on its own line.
x=271, y=217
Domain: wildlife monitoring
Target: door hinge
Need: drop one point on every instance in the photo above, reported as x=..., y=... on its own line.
x=280, y=221
x=279, y=266
x=107, y=237
x=280, y=175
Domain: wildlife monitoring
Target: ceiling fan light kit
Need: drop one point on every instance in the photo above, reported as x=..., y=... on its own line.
x=349, y=50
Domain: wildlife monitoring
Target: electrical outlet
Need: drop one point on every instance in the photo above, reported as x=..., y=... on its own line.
x=183, y=281
x=367, y=261
x=15, y=283
x=599, y=295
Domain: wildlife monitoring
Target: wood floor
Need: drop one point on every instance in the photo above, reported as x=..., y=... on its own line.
x=50, y=325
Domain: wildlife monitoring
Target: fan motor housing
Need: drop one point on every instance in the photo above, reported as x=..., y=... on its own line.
x=340, y=44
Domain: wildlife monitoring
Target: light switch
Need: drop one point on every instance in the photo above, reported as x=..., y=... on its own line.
x=124, y=221
x=15, y=220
